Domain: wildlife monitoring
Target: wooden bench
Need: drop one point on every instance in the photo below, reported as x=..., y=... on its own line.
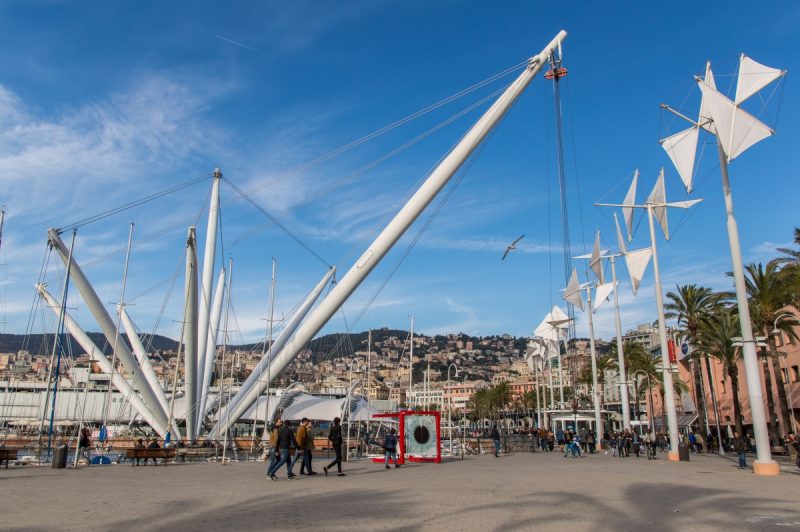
x=7, y=454
x=780, y=450
x=138, y=454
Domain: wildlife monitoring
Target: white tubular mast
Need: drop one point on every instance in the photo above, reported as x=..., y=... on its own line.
x=96, y=355
x=623, y=371
x=598, y=421
x=411, y=210
x=190, y=336
x=107, y=326
x=209, y=255
x=246, y=396
x=145, y=367
x=211, y=345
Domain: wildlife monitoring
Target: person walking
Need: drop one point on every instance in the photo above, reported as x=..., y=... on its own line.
x=793, y=443
x=285, y=442
x=590, y=443
x=496, y=440
x=335, y=437
x=300, y=452
x=272, y=450
x=740, y=448
x=309, y=448
x=390, y=446
x=85, y=443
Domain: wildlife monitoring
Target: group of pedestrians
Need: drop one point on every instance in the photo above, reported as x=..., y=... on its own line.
x=283, y=441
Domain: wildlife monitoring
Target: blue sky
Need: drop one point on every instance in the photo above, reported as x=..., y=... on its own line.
x=102, y=103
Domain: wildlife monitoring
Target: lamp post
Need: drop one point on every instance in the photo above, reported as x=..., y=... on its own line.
x=353, y=362
x=651, y=414
x=775, y=332
x=450, y=406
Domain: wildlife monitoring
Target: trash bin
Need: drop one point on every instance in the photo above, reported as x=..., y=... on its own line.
x=60, y=457
x=683, y=452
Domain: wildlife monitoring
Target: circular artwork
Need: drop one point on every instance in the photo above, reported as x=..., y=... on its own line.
x=420, y=432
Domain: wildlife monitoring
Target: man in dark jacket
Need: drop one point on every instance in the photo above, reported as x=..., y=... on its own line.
x=390, y=445
x=740, y=447
x=335, y=437
x=284, y=445
x=496, y=440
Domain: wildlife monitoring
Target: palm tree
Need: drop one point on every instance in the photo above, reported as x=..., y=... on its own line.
x=769, y=294
x=715, y=335
x=637, y=360
x=690, y=305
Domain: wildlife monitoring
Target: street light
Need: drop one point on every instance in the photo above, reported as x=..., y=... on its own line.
x=776, y=332
x=450, y=406
x=651, y=421
x=353, y=362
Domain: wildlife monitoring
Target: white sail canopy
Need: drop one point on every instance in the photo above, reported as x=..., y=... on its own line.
x=636, y=262
x=596, y=262
x=601, y=294
x=753, y=77
x=630, y=199
x=620, y=239
x=736, y=129
x=658, y=198
x=572, y=292
x=682, y=148
x=704, y=119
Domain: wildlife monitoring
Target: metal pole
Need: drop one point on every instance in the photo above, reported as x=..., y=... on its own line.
x=598, y=427
x=411, y=362
x=269, y=352
x=764, y=464
x=623, y=374
x=538, y=397
x=224, y=351
x=669, y=392
x=560, y=375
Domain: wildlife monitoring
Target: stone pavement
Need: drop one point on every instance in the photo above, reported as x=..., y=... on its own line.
x=516, y=492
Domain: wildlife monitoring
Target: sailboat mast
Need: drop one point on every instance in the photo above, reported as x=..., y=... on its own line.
x=57, y=346
x=269, y=337
x=224, y=352
x=411, y=362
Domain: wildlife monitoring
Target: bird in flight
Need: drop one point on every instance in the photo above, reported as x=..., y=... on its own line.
x=511, y=247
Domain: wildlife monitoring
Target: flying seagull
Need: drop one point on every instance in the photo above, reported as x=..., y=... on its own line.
x=511, y=247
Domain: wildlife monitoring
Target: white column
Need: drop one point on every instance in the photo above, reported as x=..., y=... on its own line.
x=598, y=427
x=623, y=374
x=669, y=392
x=209, y=256
x=107, y=325
x=96, y=355
x=190, y=337
x=145, y=367
x=211, y=347
x=410, y=212
x=764, y=463
x=246, y=397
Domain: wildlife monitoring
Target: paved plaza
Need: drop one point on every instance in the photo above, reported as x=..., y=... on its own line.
x=519, y=491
